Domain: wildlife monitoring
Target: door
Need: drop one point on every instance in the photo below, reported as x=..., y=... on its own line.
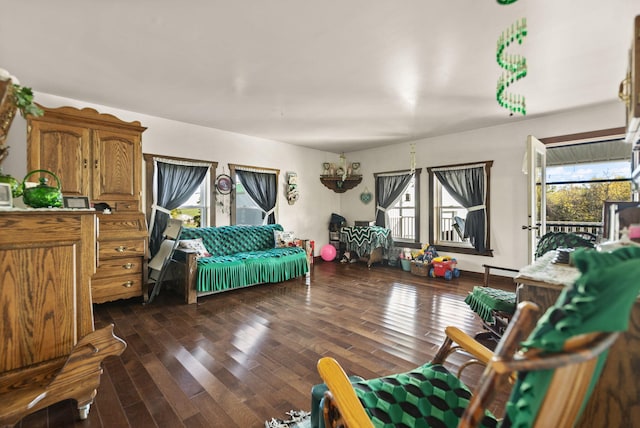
x=537, y=209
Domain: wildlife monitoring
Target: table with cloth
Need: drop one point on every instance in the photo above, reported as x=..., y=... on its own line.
x=364, y=240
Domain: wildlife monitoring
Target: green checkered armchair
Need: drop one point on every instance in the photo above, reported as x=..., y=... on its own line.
x=556, y=362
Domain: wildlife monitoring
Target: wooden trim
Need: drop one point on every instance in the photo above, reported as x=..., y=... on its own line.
x=601, y=133
x=89, y=116
x=488, y=163
x=401, y=171
x=257, y=168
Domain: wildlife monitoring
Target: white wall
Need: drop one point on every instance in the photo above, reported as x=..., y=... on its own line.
x=308, y=217
x=505, y=146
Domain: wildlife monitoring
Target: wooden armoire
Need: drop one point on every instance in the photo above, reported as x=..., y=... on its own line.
x=99, y=156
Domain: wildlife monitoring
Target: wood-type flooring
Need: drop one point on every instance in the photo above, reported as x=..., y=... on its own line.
x=241, y=357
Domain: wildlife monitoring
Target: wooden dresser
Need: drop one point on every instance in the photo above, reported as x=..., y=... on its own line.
x=615, y=400
x=99, y=156
x=47, y=260
x=122, y=247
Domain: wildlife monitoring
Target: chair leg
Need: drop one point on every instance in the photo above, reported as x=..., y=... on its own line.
x=156, y=287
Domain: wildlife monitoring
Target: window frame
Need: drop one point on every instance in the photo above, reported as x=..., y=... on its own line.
x=232, y=173
x=416, y=243
x=148, y=166
x=433, y=217
x=591, y=137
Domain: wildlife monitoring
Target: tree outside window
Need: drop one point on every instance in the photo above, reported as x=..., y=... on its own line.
x=193, y=212
x=576, y=194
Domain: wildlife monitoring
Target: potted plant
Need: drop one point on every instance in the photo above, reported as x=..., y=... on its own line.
x=13, y=96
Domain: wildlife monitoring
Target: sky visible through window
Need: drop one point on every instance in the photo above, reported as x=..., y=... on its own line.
x=590, y=171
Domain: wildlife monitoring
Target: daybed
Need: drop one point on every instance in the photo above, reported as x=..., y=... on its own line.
x=238, y=256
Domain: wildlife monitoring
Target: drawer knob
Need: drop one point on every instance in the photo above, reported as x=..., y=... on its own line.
x=128, y=284
x=127, y=266
x=121, y=249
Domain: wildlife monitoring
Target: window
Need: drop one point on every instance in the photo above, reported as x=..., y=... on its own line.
x=402, y=216
x=178, y=188
x=398, y=205
x=459, y=204
x=580, y=178
x=255, y=195
x=195, y=211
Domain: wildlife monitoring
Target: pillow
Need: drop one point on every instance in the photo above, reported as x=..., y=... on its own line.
x=284, y=239
x=196, y=245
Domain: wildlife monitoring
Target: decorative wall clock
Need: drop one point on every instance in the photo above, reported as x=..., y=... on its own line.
x=224, y=184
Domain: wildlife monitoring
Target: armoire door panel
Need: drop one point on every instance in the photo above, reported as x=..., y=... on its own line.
x=116, y=165
x=63, y=150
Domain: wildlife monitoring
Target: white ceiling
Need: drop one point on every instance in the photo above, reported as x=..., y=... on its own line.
x=336, y=75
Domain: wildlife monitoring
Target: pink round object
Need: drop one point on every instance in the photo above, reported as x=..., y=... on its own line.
x=328, y=253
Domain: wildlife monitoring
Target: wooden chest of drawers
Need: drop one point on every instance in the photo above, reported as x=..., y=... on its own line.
x=122, y=257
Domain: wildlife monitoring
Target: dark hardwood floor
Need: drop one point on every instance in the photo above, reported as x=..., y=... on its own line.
x=241, y=357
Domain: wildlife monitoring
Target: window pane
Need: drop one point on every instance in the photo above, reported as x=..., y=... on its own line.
x=190, y=216
x=580, y=178
x=588, y=171
x=193, y=211
x=576, y=194
x=247, y=211
x=402, y=215
x=452, y=217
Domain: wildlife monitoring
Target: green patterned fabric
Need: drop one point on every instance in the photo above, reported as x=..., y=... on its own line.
x=485, y=300
x=554, y=240
x=428, y=396
x=244, y=255
x=226, y=240
x=599, y=301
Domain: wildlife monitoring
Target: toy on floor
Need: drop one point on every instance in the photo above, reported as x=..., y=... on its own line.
x=444, y=267
x=426, y=254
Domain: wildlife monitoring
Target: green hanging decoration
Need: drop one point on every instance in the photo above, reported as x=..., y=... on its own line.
x=506, y=1
x=514, y=66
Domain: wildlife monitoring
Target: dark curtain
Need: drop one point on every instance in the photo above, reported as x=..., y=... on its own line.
x=467, y=187
x=175, y=183
x=388, y=189
x=261, y=187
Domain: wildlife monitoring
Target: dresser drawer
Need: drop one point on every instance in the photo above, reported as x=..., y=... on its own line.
x=118, y=266
x=121, y=225
x=121, y=248
x=116, y=287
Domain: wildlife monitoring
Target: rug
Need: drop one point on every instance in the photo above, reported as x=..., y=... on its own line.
x=296, y=419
